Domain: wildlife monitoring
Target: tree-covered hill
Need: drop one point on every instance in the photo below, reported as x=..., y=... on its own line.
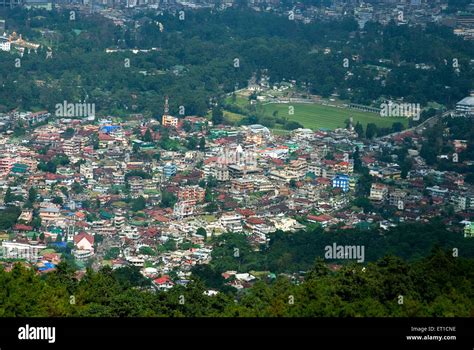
x=438, y=285
x=294, y=252
x=194, y=60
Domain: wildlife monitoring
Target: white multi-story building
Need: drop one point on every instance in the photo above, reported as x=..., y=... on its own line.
x=16, y=250
x=232, y=222
x=378, y=192
x=397, y=197
x=118, y=178
x=51, y=216
x=184, y=208
x=87, y=170
x=466, y=106
x=5, y=44
x=221, y=172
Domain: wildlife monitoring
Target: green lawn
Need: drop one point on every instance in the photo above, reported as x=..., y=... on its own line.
x=315, y=116
x=239, y=101
x=232, y=117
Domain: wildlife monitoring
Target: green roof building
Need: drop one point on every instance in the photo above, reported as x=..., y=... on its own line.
x=19, y=168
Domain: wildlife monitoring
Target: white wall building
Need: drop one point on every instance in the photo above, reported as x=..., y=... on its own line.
x=15, y=250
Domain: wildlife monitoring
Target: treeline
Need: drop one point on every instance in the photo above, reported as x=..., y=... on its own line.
x=438, y=285
x=438, y=143
x=207, y=54
x=294, y=252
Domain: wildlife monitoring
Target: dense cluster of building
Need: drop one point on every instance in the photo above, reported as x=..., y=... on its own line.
x=112, y=192
x=403, y=12
x=106, y=192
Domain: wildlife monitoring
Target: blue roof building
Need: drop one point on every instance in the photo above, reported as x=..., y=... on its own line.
x=169, y=170
x=341, y=181
x=109, y=128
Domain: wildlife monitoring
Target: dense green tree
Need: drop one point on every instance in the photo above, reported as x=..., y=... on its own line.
x=147, y=137
x=371, y=131
x=168, y=199
x=187, y=126
x=36, y=222
x=9, y=196
x=354, y=290
x=130, y=276
x=138, y=203
x=217, y=116
x=112, y=253
x=32, y=194
x=57, y=200
x=147, y=251
x=201, y=232
x=9, y=216
x=202, y=144
x=77, y=187
x=192, y=143
x=359, y=129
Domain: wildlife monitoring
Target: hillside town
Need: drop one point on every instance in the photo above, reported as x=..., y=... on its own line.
x=402, y=12
x=153, y=193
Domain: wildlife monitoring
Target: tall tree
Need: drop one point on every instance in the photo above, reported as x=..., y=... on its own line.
x=217, y=115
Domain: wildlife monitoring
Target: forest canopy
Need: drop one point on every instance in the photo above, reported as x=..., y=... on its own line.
x=193, y=61
x=438, y=285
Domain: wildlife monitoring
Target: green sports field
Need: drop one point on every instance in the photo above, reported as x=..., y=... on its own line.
x=316, y=116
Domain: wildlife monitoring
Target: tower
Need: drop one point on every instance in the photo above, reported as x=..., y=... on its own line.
x=167, y=109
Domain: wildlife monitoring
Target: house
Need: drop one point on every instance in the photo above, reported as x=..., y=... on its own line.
x=466, y=106
x=286, y=224
x=50, y=215
x=341, y=181
x=18, y=250
x=437, y=191
x=194, y=193
x=184, y=208
x=298, y=167
x=324, y=220
x=169, y=170
x=242, y=185
x=168, y=120
x=397, y=197
x=105, y=140
x=26, y=216
x=5, y=44
x=22, y=227
x=39, y=4
x=163, y=283
x=84, y=246
x=469, y=230
x=378, y=192
x=463, y=201
x=231, y=221
x=245, y=277
x=84, y=241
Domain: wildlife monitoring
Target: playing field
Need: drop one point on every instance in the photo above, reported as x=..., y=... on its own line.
x=232, y=117
x=316, y=116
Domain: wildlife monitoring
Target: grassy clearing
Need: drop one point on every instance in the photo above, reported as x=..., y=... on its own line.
x=316, y=116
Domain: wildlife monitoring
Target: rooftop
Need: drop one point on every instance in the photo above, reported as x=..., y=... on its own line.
x=469, y=101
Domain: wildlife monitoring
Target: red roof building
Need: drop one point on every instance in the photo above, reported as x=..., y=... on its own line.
x=22, y=227
x=84, y=241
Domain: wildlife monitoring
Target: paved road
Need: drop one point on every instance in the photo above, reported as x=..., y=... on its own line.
x=427, y=123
